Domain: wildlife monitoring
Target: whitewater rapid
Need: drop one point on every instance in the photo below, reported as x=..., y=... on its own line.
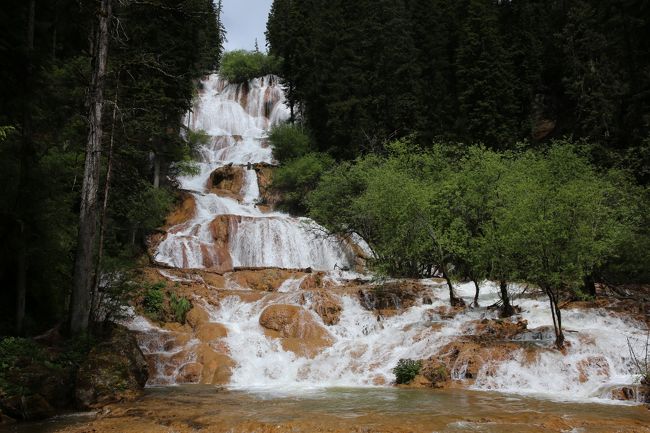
x=237, y=118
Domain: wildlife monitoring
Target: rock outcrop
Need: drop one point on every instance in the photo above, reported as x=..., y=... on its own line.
x=265, y=280
x=115, y=370
x=269, y=198
x=323, y=303
x=227, y=181
x=391, y=298
x=183, y=212
x=296, y=328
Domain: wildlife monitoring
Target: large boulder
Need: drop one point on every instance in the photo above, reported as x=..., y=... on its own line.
x=114, y=371
x=218, y=258
x=216, y=367
x=208, y=332
x=227, y=181
x=323, y=303
x=297, y=329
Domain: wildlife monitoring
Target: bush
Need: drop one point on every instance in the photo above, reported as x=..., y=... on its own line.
x=154, y=301
x=289, y=142
x=296, y=179
x=180, y=307
x=241, y=66
x=406, y=370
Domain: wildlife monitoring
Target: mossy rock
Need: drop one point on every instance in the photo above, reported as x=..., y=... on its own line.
x=115, y=370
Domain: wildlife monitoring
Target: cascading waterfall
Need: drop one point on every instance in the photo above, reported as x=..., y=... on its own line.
x=237, y=118
x=363, y=348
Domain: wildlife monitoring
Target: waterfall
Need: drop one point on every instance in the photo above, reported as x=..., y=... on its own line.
x=229, y=230
x=237, y=118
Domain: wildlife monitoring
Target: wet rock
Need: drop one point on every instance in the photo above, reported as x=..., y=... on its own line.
x=297, y=329
x=444, y=312
x=217, y=367
x=227, y=181
x=593, y=366
x=196, y=317
x=497, y=329
x=394, y=296
x=183, y=212
x=466, y=358
x=435, y=372
x=269, y=197
x=115, y=370
x=638, y=393
x=326, y=305
x=207, y=332
x=266, y=280
x=315, y=281
x=189, y=373
x=27, y=407
x=217, y=256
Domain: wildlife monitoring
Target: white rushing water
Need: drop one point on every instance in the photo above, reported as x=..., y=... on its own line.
x=237, y=118
x=365, y=350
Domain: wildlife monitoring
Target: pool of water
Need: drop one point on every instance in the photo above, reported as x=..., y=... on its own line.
x=208, y=409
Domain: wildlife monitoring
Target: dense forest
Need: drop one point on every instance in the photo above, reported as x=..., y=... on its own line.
x=120, y=74
x=476, y=139
x=495, y=72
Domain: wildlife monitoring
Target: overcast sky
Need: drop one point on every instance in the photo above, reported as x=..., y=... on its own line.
x=245, y=20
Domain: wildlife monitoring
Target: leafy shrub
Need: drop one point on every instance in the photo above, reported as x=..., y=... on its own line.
x=406, y=370
x=180, y=307
x=298, y=178
x=240, y=66
x=154, y=300
x=289, y=142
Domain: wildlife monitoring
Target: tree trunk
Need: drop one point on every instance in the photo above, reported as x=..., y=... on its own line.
x=590, y=286
x=506, y=308
x=557, y=318
x=156, y=171
x=454, y=301
x=21, y=283
x=84, y=259
x=478, y=290
x=102, y=225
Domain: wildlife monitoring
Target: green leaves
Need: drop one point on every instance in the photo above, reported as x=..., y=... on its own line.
x=406, y=370
x=550, y=218
x=289, y=141
x=241, y=66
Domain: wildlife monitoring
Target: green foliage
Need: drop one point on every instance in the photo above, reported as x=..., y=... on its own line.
x=180, y=307
x=406, y=370
x=159, y=51
x=497, y=72
x=240, y=66
x=296, y=178
x=289, y=142
x=154, y=300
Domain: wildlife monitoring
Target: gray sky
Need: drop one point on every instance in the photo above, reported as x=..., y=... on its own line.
x=245, y=20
